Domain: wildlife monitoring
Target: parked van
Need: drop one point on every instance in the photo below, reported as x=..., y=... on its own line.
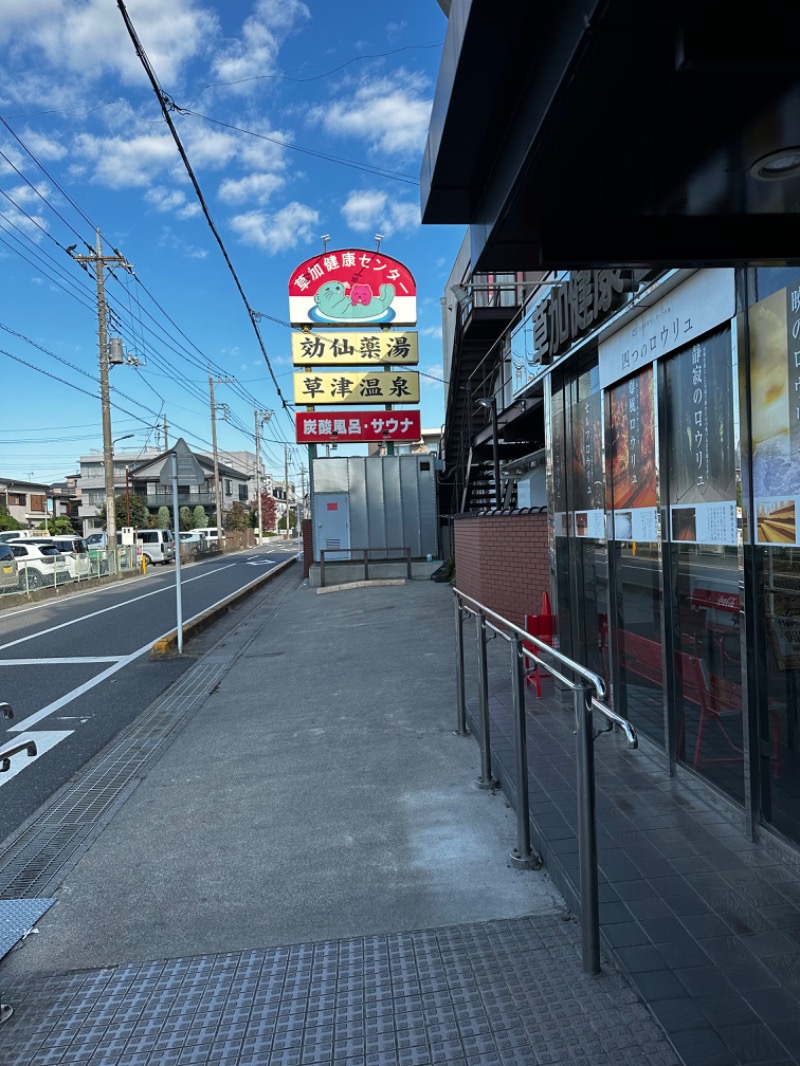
x=77, y=552
x=158, y=545
x=211, y=534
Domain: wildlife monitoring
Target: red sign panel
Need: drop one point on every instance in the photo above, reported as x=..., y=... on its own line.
x=352, y=287
x=357, y=427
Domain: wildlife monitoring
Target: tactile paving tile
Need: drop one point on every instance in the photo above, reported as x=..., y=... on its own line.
x=17, y=916
x=505, y=993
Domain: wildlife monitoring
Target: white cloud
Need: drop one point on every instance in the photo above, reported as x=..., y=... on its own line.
x=254, y=53
x=120, y=162
x=89, y=38
x=255, y=188
x=25, y=195
x=371, y=211
x=173, y=201
x=432, y=331
x=287, y=228
x=390, y=115
x=169, y=239
x=43, y=147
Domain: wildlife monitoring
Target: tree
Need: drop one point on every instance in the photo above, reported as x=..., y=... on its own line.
x=185, y=518
x=268, y=510
x=61, y=525
x=199, y=518
x=292, y=520
x=6, y=521
x=140, y=516
x=163, y=519
x=237, y=517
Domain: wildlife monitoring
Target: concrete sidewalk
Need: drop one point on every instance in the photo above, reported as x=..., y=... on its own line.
x=307, y=874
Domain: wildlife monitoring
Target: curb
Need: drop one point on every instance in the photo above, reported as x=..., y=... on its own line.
x=362, y=584
x=167, y=644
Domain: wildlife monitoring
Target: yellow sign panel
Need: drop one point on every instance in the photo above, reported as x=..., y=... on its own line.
x=348, y=348
x=356, y=387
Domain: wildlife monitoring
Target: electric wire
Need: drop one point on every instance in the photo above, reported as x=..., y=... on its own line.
x=366, y=167
x=327, y=73
x=245, y=394
x=162, y=99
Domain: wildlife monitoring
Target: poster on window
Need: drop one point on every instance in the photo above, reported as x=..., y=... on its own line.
x=702, y=451
x=775, y=399
x=633, y=459
x=587, y=479
x=557, y=450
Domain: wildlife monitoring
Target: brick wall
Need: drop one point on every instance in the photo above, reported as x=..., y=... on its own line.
x=502, y=560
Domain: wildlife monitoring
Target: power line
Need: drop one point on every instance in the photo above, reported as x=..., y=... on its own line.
x=365, y=167
x=162, y=99
x=327, y=74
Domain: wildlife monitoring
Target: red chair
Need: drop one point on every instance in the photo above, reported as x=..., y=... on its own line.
x=540, y=626
x=717, y=699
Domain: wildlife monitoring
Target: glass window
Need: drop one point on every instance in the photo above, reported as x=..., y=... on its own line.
x=710, y=704
x=635, y=534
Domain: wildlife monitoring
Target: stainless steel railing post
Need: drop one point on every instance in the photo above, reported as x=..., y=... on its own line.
x=587, y=830
x=461, y=703
x=486, y=780
x=522, y=854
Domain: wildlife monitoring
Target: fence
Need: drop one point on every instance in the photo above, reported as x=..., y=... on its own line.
x=529, y=653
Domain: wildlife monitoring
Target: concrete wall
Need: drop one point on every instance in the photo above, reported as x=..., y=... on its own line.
x=502, y=560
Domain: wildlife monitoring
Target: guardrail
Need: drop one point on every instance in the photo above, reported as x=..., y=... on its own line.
x=588, y=691
x=365, y=553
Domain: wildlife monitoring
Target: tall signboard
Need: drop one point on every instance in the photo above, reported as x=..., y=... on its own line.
x=351, y=307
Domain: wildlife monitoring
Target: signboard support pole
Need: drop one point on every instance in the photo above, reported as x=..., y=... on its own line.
x=173, y=458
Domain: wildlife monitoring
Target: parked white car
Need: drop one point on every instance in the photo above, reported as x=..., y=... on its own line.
x=8, y=568
x=74, y=550
x=38, y=564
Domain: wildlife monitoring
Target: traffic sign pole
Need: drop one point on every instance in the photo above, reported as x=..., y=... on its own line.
x=176, y=519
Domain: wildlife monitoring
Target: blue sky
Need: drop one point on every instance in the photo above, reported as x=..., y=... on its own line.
x=298, y=119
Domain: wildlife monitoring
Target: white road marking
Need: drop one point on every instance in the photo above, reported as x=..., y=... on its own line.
x=74, y=661
x=114, y=607
x=87, y=686
x=62, y=701
x=45, y=741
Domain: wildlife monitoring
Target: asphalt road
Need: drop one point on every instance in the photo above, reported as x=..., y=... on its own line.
x=76, y=669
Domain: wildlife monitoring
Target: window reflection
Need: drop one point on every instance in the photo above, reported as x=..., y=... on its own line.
x=778, y=711
x=708, y=666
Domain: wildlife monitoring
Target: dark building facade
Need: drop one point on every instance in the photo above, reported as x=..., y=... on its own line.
x=637, y=167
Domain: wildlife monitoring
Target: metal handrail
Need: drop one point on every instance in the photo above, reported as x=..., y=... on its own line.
x=365, y=551
x=594, y=679
x=14, y=749
x=586, y=690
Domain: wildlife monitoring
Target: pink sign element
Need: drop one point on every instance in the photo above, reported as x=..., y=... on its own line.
x=352, y=286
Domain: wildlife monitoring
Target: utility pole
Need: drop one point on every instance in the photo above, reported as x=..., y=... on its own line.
x=166, y=438
x=217, y=487
x=261, y=416
x=100, y=262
